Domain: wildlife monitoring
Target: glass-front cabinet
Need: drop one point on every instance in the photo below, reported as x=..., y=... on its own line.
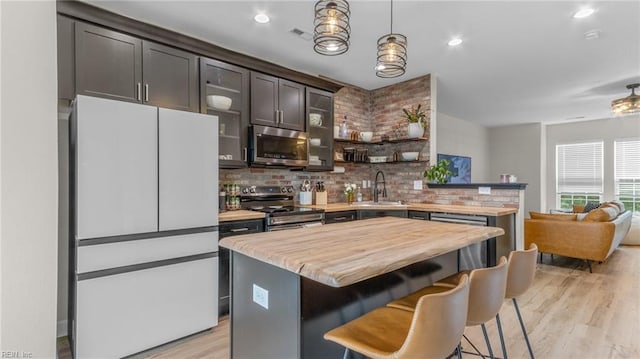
x=320, y=129
x=224, y=90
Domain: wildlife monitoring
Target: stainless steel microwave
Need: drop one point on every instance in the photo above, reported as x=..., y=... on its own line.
x=278, y=146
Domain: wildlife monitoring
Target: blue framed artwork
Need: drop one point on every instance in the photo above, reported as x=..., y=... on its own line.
x=460, y=166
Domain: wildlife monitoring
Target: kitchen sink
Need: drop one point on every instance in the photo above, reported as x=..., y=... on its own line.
x=379, y=203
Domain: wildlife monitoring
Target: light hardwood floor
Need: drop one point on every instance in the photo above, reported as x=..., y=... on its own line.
x=569, y=313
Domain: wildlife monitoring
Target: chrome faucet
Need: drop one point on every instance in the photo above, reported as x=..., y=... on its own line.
x=377, y=191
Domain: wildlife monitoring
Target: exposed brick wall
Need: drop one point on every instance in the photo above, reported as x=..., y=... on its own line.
x=379, y=111
x=508, y=198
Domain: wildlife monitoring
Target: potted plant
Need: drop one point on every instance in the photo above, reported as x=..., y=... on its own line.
x=417, y=122
x=438, y=173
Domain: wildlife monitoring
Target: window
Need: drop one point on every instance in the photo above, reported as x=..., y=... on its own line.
x=578, y=174
x=627, y=173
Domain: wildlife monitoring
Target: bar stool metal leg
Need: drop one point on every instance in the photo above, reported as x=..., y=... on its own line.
x=486, y=339
x=502, y=344
x=346, y=353
x=524, y=330
x=459, y=350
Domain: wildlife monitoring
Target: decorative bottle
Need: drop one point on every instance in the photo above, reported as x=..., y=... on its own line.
x=343, y=128
x=359, y=195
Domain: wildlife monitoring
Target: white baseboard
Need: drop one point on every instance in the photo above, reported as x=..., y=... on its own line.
x=62, y=328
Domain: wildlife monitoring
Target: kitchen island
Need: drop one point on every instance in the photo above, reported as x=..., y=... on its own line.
x=289, y=287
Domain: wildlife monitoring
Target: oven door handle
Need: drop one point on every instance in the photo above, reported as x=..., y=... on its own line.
x=282, y=227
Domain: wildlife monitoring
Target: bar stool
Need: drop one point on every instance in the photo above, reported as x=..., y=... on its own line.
x=486, y=294
x=522, y=270
x=432, y=331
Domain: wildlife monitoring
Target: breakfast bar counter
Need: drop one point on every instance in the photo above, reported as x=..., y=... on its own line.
x=345, y=253
x=290, y=287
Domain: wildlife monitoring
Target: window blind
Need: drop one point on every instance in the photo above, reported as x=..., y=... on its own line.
x=627, y=172
x=579, y=168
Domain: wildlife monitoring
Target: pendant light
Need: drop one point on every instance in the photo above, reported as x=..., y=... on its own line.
x=392, y=53
x=331, y=31
x=629, y=104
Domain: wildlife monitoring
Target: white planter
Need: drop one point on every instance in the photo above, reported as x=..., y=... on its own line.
x=415, y=130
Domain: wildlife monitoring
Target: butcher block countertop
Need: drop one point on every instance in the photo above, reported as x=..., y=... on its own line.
x=239, y=215
x=425, y=207
x=345, y=253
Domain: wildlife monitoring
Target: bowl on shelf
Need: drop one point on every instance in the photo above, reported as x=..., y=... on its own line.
x=410, y=156
x=219, y=102
x=315, y=119
x=315, y=141
x=366, y=136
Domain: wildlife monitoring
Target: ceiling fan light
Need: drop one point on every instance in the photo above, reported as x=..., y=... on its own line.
x=332, y=32
x=629, y=104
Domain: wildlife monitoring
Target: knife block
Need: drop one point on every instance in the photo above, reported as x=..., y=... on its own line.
x=321, y=198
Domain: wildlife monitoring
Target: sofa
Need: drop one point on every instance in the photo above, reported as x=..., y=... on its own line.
x=591, y=236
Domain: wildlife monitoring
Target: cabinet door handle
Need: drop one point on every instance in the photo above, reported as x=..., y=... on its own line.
x=244, y=154
x=146, y=92
x=340, y=218
x=417, y=217
x=239, y=229
x=138, y=95
x=277, y=117
x=281, y=117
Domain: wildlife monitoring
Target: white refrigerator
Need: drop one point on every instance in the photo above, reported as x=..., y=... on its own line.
x=144, y=226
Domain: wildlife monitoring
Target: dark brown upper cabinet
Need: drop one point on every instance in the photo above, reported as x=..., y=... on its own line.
x=222, y=79
x=277, y=102
x=122, y=67
x=319, y=116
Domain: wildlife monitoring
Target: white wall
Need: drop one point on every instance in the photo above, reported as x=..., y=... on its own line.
x=459, y=137
x=517, y=150
x=607, y=130
x=28, y=172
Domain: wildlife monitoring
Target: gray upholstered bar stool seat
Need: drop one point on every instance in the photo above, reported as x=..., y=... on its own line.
x=486, y=293
x=432, y=331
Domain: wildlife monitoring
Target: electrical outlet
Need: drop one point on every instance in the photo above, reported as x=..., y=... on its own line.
x=261, y=296
x=417, y=185
x=484, y=190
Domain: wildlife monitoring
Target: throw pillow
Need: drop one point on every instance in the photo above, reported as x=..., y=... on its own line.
x=598, y=215
x=590, y=206
x=619, y=204
x=553, y=217
x=614, y=208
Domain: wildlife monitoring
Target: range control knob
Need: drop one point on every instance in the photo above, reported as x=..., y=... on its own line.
x=283, y=189
x=252, y=189
x=245, y=190
x=290, y=189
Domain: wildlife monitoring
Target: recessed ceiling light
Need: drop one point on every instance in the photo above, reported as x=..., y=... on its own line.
x=582, y=13
x=261, y=18
x=455, y=41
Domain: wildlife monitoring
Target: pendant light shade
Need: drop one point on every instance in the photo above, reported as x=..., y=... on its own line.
x=392, y=53
x=629, y=104
x=331, y=33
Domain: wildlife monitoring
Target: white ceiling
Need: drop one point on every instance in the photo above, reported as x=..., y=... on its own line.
x=520, y=62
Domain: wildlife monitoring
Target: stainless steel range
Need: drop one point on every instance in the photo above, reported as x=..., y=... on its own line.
x=278, y=203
